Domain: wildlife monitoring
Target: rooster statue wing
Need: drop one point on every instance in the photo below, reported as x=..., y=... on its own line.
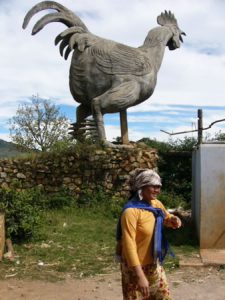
x=105, y=76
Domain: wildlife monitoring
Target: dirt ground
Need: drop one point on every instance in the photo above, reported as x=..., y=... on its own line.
x=185, y=284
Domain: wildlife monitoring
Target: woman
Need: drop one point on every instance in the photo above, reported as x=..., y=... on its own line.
x=139, y=239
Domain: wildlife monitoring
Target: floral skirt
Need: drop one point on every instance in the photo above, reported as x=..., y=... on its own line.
x=156, y=276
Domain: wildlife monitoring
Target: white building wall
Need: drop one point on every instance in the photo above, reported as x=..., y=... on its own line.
x=208, y=201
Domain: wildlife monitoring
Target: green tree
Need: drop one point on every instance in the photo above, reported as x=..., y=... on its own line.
x=219, y=136
x=38, y=125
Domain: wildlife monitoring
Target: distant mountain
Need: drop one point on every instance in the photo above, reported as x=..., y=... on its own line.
x=8, y=149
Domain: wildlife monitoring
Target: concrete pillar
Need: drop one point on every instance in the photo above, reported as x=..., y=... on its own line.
x=124, y=127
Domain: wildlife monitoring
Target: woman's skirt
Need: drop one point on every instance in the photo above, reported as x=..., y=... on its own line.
x=156, y=277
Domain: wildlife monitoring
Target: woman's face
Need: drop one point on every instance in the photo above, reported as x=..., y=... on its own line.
x=150, y=192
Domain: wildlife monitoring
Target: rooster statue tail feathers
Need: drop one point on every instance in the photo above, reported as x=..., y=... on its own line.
x=69, y=37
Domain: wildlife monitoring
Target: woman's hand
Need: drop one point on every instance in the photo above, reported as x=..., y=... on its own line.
x=142, y=281
x=175, y=222
x=143, y=285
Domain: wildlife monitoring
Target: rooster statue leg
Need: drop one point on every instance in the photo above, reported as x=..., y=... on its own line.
x=114, y=100
x=98, y=116
x=82, y=113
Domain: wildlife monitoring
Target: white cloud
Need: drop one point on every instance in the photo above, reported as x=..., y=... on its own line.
x=113, y=131
x=149, y=119
x=5, y=137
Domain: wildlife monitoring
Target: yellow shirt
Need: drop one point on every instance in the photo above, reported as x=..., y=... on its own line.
x=137, y=234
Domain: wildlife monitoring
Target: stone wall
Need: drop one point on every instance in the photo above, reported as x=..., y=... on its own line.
x=108, y=168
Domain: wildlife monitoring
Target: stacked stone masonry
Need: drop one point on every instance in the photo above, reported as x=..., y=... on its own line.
x=108, y=168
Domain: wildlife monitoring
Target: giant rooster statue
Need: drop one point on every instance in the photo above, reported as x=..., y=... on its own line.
x=106, y=76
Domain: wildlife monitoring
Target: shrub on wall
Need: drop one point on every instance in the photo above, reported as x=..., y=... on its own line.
x=22, y=216
x=171, y=200
x=23, y=209
x=62, y=198
x=108, y=204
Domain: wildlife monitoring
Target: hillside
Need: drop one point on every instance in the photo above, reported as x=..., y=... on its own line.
x=8, y=149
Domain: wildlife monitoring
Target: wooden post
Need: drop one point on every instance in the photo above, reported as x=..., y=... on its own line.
x=200, y=125
x=2, y=235
x=11, y=254
x=124, y=127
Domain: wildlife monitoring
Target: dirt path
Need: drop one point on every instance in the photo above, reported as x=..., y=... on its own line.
x=185, y=283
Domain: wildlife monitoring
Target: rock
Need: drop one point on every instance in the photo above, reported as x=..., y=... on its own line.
x=71, y=158
x=139, y=155
x=77, y=190
x=124, y=194
x=72, y=186
x=45, y=245
x=123, y=177
x=87, y=173
x=40, y=175
x=91, y=158
x=100, y=152
x=126, y=188
x=128, y=168
x=149, y=165
x=78, y=181
x=109, y=186
x=66, y=180
x=8, y=170
x=52, y=188
x=132, y=159
x=21, y=176
x=27, y=185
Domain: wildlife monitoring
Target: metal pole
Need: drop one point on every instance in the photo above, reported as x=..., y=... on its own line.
x=200, y=125
x=124, y=127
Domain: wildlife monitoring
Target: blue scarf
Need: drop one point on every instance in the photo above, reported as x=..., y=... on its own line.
x=161, y=245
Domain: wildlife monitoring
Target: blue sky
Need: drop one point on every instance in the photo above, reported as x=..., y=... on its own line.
x=191, y=77
x=171, y=118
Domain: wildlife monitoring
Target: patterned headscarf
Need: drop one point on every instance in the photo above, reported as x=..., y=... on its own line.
x=142, y=177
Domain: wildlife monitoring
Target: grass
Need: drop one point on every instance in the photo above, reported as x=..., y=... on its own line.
x=73, y=241
x=78, y=243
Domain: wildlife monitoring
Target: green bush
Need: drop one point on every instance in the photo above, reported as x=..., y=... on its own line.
x=88, y=198
x=99, y=200
x=172, y=200
x=22, y=216
x=116, y=206
x=61, y=199
x=175, y=165
x=23, y=209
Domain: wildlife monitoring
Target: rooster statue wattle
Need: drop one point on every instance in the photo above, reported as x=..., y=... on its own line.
x=106, y=76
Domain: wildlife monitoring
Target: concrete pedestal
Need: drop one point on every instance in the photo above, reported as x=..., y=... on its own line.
x=208, y=203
